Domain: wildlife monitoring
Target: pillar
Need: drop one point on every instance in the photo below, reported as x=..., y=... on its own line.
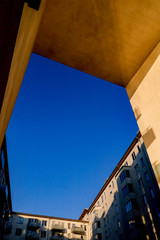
x=144, y=93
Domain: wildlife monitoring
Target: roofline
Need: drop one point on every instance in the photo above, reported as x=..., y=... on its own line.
x=136, y=139
x=83, y=214
x=49, y=217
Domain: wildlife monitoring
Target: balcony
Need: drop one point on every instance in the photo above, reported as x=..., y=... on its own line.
x=58, y=228
x=84, y=238
x=98, y=236
x=34, y=236
x=97, y=231
x=7, y=227
x=60, y=237
x=78, y=230
x=33, y=225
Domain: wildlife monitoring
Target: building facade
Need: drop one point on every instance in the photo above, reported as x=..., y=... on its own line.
x=128, y=205
x=29, y=226
x=5, y=193
x=126, y=208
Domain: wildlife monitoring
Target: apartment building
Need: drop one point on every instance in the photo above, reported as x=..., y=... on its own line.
x=5, y=193
x=128, y=205
x=30, y=226
x=126, y=208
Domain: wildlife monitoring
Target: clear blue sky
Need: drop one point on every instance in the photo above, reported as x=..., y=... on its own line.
x=67, y=132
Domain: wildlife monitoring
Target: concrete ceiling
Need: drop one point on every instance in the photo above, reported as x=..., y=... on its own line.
x=109, y=39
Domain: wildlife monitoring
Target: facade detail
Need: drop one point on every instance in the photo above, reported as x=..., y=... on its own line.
x=126, y=208
x=29, y=226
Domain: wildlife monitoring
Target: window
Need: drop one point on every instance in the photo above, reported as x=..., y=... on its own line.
x=136, y=168
x=152, y=193
x=142, y=162
x=112, y=184
x=128, y=206
x=124, y=175
x=98, y=236
x=139, y=150
x=6, y=190
x=37, y=221
x=128, y=188
x=111, y=192
x=20, y=220
x=105, y=195
x=158, y=212
x=131, y=204
x=44, y=223
x=10, y=219
x=85, y=228
x=73, y=225
x=144, y=200
x=2, y=158
x=132, y=223
x=43, y=233
x=133, y=156
x=97, y=224
x=147, y=176
x=30, y=220
x=102, y=199
x=140, y=183
x=18, y=231
x=117, y=210
x=98, y=203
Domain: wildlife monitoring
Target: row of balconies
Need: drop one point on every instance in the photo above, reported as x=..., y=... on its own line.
x=56, y=228
x=35, y=236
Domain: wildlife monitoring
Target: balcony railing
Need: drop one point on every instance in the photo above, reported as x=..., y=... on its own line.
x=56, y=238
x=58, y=228
x=96, y=231
x=78, y=238
x=98, y=236
x=33, y=225
x=34, y=236
x=78, y=230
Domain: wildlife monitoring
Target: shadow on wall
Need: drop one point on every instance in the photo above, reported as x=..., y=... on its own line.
x=134, y=212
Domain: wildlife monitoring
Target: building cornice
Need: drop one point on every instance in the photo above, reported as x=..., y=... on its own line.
x=115, y=170
x=49, y=217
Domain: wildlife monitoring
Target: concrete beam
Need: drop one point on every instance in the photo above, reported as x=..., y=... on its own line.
x=105, y=38
x=23, y=48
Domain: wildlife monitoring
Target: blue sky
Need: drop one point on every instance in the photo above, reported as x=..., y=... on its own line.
x=67, y=132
